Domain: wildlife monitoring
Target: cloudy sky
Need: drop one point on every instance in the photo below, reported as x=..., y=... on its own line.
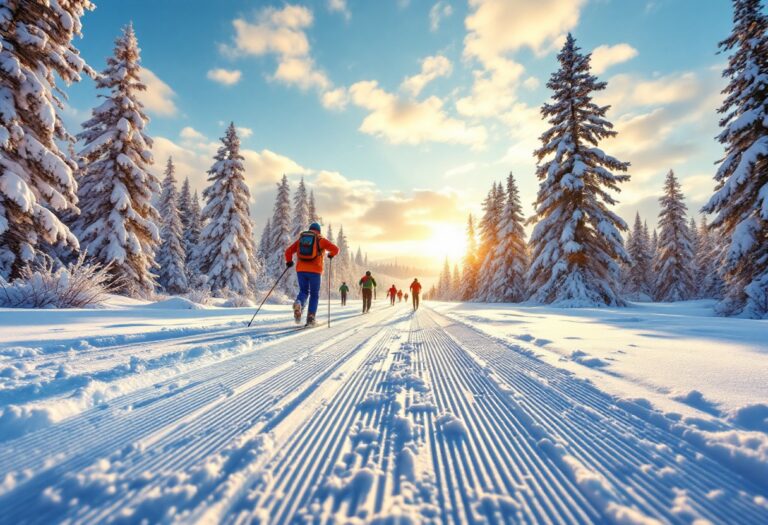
x=401, y=113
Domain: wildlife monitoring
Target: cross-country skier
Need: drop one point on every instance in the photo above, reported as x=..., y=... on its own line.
x=415, y=291
x=392, y=293
x=368, y=284
x=399, y=296
x=343, y=290
x=309, y=249
x=405, y=297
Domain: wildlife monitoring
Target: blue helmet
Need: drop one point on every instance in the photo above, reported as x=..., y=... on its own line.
x=315, y=227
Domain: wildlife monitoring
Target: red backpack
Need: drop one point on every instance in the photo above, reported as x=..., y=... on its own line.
x=309, y=246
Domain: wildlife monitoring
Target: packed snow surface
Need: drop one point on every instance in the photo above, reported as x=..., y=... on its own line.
x=457, y=414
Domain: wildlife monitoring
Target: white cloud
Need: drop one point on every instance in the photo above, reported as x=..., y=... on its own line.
x=225, y=76
x=606, y=56
x=281, y=32
x=495, y=27
x=493, y=90
x=158, y=97
x=335, y=99
x=432, y=67
x=244, y=132
x=438, y=12
x=190, y=133
x=629, y=90
x=340, y=6
x=411, y=122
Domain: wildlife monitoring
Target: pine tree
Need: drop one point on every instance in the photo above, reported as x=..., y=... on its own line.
x=312, y=209
x=740, y=200
x=471, y=263
x=455, y=283
x=192, y=239
x=301, y=219
x=171, y=257
x=118, y=223
x=280, y=232
x=185, y=203
x=329, y=233
x=511, y=250
x=359, y=257
x=674, y=275
x=263, y=249
x=490, y=235
x=226, y=246
x=444, y=282
x=637, y=284
x=709, y=280
x=37, y=186
x=576, y=243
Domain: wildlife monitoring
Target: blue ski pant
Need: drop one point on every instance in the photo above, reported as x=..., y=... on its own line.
x=309, y=287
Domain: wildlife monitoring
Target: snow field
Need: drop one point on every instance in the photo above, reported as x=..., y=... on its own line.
x=392, y=417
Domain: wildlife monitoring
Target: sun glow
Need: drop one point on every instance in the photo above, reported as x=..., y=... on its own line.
x=448, y=240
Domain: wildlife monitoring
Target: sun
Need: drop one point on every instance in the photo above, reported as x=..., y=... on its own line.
x=448, y=240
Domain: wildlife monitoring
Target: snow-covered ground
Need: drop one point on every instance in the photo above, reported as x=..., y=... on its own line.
x=462, y=413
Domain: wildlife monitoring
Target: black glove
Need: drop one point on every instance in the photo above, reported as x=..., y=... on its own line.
x=330, y=256
x=289, y=264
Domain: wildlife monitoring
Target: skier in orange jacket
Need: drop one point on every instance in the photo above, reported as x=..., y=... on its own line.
x=309, y=249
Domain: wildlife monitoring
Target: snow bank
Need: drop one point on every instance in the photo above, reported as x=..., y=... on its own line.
x=175, y=303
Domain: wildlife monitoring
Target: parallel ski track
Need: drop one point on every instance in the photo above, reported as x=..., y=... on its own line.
x=608, y=438
x=499, y=456
x=297, y=474
x=79, y=442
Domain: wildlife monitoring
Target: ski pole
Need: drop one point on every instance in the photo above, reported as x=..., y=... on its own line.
x=330, y=264
x=267, y=296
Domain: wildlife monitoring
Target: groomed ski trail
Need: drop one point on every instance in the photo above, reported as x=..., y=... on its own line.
x=393, y=417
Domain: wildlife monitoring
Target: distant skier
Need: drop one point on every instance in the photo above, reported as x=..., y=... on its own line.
x=368, y=284
x=399, y=296
x=392, y=293
x=405, y=297
x=415, y=291
x=309, y=249
x=344, y=290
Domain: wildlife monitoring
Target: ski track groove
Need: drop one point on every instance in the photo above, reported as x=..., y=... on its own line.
x=492, y=431
x=603, y=445
x=81, y=440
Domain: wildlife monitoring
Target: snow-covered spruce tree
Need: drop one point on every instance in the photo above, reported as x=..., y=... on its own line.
x=576, y=243
x=511, y=249
x=471, y=264
x=185, y=205
x=118, y=222
x=637, y=285
x=709, y=279
x=359, y=257
x=171, y=256
x=264, y=240
x=490, y=265
x=341, y=263
x=673, y=267
x=192, y=240
x=280, y=232
x=312, y=208
x=226, y=246
x=455, y=283
x=443, y=288
x=300, y=209
x=37, y=185
x=740, y=200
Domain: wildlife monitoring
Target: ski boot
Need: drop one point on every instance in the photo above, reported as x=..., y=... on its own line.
x=297, y=310
x=311, y=321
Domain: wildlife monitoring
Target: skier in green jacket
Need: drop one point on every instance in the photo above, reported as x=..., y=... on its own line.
x=368, y=284
x=343, y=290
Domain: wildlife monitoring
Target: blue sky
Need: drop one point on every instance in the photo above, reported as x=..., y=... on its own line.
x=319, y=89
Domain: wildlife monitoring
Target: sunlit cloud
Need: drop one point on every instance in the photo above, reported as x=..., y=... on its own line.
x=340, y=6
x=406, y=121
x=158, y=97
x=226, y=77
x=606, y=56
x=432, y=67
x=440, y=11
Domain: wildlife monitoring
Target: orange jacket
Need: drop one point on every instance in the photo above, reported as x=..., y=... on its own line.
x=316, y=264
x=416, y=287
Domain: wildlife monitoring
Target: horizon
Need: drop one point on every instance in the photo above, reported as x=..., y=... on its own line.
x=401, y=136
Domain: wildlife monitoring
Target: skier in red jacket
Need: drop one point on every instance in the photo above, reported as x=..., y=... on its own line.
x=392, y=293
x=309, y=249
x=415, y=291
